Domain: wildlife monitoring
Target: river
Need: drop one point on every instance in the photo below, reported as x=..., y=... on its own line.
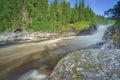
x=22, y=61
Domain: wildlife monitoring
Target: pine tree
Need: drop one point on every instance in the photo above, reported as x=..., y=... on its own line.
x=115, y=13
x=36, y=15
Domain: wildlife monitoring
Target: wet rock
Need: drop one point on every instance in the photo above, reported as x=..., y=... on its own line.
x=88, y=65
x=22, y=36
x=91, y=30
x=98, y=45
x=18, y=30
x=111, y=36
x=111, y=45
x=46, y=69
x=116, y=37
x=109, y=32
x=25, y=36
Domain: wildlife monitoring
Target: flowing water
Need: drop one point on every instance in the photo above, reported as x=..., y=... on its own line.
x=25, y=58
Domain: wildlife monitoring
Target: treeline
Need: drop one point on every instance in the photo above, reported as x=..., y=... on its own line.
x=38, y=15
x=114, y=13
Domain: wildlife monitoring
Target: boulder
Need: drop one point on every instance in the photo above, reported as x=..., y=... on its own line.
x=111, y=45
x=116, y=37
x=109, y=32
x=94, y=64
x=111, y=36
x=19, y=36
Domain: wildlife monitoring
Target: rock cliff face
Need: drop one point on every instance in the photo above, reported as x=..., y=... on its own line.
x=15, y=37
x=111, y=45
x=88, y=65
x=109, y=32
x=112, y=37
x=9, y=37
x=91, y=30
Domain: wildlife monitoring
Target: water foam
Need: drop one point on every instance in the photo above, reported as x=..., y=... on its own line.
x=32, y=75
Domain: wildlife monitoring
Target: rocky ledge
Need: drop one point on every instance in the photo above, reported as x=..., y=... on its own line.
x=20, y=35
x=112, y=37
x=88, y=65
x=9, y=37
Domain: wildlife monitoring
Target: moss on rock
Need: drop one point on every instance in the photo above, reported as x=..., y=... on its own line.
x=86, y=65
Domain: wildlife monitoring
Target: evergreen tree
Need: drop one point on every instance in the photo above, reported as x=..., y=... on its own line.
x=115, y=12
x=36, y=15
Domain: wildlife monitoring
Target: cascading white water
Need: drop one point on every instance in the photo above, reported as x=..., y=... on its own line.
x=32, y=75
x=72, y=43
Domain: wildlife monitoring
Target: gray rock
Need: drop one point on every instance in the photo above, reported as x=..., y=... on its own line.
x=88, y=65
x=8, y=37
x=111, y=37
x=109, y=32
x=111, y=45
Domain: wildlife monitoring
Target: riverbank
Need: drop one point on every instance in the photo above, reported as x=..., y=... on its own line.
x=21, y=36
x=17, y=37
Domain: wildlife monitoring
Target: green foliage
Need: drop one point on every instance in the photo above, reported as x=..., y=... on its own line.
x=38, y=15
x=115, y=13
x=78, y=25
x=9, y=14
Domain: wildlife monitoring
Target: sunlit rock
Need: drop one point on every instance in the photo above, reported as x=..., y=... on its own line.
x=111, y=45
x=89, y=31
x=111, y=36
x=109, y=33
x=88, y=65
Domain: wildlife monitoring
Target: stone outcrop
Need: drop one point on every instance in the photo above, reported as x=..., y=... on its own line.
x=89, y=31
x=110, y=45
x=112, y=38
x=109, y=33
x=22, y=36
x=88, y=65
x=17, y=36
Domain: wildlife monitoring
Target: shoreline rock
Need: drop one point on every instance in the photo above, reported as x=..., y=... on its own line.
x=19, y=37
x=93, y=64
x=89, y=31
x=112, y=38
